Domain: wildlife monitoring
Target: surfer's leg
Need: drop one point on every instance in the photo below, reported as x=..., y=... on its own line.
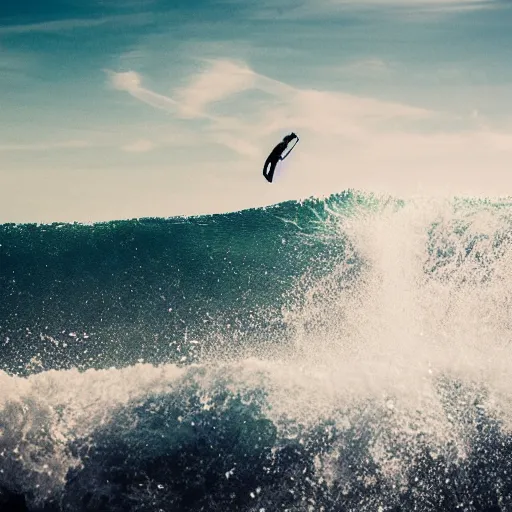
x=270, y=174
x=265, y=167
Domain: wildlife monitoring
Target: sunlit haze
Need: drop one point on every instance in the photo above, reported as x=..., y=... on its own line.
x=122, y=109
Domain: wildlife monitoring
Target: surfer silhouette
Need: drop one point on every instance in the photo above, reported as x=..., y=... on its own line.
x=276, y=155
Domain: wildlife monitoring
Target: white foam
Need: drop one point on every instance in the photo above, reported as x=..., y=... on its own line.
x=374, y=350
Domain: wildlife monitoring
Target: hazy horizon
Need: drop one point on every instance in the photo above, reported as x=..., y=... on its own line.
x=129, y=109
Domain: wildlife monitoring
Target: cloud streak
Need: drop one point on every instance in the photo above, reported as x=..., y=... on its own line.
x=131, y=83
x=322, y=9
x=45, y=146
x=349, y=141
x=76, y=23
x=221, y=79
x=322, y=113
x=139, y=146
x=416, y=3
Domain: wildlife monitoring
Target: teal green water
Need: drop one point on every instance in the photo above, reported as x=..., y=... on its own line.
x=341, y=354
x=136, y=288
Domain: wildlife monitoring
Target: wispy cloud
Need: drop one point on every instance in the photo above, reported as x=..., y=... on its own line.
x=366, y=67
x=311, y=9
x=45, y=146
x=415, y=3
x=421, y=7
x=131, y=82
x=77, y=23
x=139, y=146
x=317, y=112
x=222, y=78
x=374, y=144
x=238, y=144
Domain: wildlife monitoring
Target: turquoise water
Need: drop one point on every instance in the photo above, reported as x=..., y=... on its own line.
x=346, y=353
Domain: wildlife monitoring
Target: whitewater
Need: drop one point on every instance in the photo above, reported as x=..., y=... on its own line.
x=350, y=353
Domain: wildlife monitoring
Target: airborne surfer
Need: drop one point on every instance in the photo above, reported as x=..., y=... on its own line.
x=276, y=155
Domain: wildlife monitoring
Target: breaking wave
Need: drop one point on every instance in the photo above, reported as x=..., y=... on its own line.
x=341, y=354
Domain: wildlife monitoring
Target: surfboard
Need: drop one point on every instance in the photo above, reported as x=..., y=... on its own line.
x=283, y=156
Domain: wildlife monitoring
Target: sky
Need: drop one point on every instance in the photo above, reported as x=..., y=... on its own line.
x=114, y=109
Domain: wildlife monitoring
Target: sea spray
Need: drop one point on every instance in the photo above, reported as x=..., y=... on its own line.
x=342, y=354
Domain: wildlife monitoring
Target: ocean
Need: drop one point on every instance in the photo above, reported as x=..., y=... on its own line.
x=348, y=353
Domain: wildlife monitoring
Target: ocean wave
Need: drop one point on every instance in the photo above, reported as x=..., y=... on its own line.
x=246, y=436
x=349, y=353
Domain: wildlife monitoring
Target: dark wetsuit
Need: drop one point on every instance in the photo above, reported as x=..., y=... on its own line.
x=275, y=156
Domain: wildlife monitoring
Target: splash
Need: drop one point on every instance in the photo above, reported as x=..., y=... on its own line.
x=378, y=381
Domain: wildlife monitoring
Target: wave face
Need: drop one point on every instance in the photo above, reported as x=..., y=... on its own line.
x=341, y=354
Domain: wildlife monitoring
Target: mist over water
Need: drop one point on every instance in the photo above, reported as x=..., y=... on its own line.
x=342, y=354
